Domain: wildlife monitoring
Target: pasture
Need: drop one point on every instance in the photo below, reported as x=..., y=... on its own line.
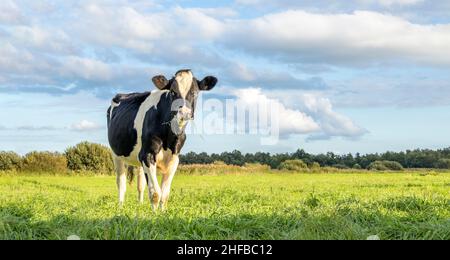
x=262, y=205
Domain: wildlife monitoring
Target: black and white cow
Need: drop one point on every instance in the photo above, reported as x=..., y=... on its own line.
x=147, y=130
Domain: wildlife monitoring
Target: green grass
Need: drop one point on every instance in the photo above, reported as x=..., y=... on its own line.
x=248, y=206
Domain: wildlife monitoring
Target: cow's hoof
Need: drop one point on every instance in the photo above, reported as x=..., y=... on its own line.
x=163, y=205
x=155, y=199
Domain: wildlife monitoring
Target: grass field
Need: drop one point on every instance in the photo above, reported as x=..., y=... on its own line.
x=247, y=206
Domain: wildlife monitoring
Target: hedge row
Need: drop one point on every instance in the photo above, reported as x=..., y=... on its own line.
x=300, y=165
x=82, y=157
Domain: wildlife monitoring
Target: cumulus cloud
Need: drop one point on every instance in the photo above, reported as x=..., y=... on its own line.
x=86, y=68
x=10, y=13
x=314, y=116
x=85, y=126
x=42, y=39
x=331, y=122
x=29, y=71
x=126, y=27
x=359, y=38
x=290, y=121
x=59, y=54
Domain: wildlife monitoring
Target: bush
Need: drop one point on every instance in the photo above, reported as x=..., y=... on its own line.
x=393, y=166
x=443, y=164
x=44, y=162
x=90, y=157
x=10, y=161
x=377, y=166
x=314, y=166
x=385, y=166
x=293, y=165
x=357, y=167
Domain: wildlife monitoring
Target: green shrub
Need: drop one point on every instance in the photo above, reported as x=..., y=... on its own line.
x=393, y=166
x=443, y=164
x=10, y=161
x=90, y=157
x=44, y=162
x=314, y=166
x=293, y=165
x=377, y=166
x=385, y=166
x=357, y=167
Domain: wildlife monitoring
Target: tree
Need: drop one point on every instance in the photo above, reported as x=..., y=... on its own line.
x=10, y=161
x=44, y=162
x=443, y=164
x=90, y=157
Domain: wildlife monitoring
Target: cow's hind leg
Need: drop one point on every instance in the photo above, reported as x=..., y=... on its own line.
x=121, y=178
x=141, y=183
x=167, y=181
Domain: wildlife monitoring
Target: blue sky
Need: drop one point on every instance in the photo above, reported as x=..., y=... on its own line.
x=352, y=76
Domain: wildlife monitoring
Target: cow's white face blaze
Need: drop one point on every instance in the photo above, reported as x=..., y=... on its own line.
x=183, y=80
x=185, y=89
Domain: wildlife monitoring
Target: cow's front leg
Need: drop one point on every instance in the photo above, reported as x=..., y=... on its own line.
x=167, y=181
x=154, y=191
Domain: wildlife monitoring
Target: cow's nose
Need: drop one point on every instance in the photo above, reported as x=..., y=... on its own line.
x=185, y=112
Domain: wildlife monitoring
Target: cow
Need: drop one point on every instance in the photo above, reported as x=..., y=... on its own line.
x=147, y=130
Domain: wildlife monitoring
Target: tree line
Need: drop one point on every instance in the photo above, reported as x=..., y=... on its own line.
x=419, y=158
x=97, y=158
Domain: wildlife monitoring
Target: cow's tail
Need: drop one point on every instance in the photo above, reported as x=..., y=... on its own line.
x=108, y=116
x=130, y=174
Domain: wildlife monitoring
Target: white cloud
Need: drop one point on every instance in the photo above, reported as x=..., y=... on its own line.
x=290, y=121
x=314, y=115
x=126, y=27
x=36, y=128
x=86, y=68
x=62, y=54
x=220, y=12
x=331, y=122
x=85, y=125
x=10, y=13
x=394, y=2
x=356, y=3
x=117, y=27
x=48, y=40
x=15, y=60
x=362, y=37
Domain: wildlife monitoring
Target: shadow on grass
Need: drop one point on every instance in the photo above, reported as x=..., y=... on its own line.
x=394, y=218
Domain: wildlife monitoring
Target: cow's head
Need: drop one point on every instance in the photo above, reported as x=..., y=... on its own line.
x=185, y=88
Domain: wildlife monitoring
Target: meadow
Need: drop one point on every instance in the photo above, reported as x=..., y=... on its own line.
x=258, y=205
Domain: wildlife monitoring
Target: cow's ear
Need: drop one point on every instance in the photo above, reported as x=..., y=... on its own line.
x=207, y=83
x=160, y=82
